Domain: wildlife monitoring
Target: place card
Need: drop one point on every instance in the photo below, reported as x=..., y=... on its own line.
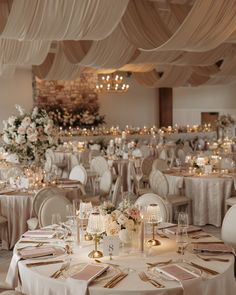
x=111, y=246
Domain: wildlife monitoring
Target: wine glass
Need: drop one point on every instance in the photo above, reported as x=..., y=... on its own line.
x=183, y=220
x=182, y=241
x=70, y=214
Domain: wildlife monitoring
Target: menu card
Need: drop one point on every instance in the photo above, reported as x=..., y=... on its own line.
x=90, y=272
x=212, y=247
x=177, y=272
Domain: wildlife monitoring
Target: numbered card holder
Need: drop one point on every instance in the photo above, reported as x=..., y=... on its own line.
x=111, y=246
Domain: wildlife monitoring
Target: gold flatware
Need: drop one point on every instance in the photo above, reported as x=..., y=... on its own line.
x=113, y=279
x=116, y=281
x=213, y=258
x=31, y=246
x=206, y=269
x=31, y=241
x=216, y=242
x=159, y=263
x=43, y=263
x=145, y=278
x=57, y=273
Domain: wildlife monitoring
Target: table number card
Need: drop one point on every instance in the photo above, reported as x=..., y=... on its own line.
x=111, y=246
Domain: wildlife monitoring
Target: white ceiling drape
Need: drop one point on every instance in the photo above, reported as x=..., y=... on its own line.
x=165, y=44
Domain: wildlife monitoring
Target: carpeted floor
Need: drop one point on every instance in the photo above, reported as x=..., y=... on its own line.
x=5, y=256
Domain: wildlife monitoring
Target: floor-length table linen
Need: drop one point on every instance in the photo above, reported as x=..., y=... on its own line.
x=17, y=208
x=36, y=280
x=208, y=195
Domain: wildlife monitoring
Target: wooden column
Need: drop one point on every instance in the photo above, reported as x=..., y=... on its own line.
x=165, y=107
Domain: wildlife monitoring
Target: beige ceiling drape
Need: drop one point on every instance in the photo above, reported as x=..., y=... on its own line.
x=165, y=43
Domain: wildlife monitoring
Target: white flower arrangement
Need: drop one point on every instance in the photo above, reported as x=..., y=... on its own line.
x=225, y=121
x=117, y=220
x=29, y=135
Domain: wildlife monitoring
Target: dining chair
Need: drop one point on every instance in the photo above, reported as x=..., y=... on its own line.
x=228, y=229
x=151, y=198
x=146, y=168
x=160, y=186
x=187, y=148
x=159, y=164
x=145, y=150
x=38, y=199
x=181, y=155
x=3, y=224
x=99, y=165
x=50, y=206
x=105, y=183
x=79, y=173
x=116, y=191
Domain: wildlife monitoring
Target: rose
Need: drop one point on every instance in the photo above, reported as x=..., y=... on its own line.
x=122, y=219
x=33, y=137
x=21, y=130
x=20, y=139
x=26, y=121
x=133, y=212
x=115, y=214
x=108, y=219
x=113, y=229
x=129, y=224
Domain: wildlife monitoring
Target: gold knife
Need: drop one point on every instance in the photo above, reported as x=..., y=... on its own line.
x=115, y=282
x=112, y=280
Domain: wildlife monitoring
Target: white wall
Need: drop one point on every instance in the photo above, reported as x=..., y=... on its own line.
x=15, y=90
x=137, y=107
x=188, y=103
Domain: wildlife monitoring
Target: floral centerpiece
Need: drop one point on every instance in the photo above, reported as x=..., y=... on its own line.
x=225, y=121
x=120, y=222
x=29, y=135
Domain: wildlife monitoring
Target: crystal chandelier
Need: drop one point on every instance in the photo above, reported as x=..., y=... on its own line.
x=111, y=83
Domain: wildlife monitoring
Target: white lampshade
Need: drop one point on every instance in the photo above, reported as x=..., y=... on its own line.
x=153, y=213
x=95, y=223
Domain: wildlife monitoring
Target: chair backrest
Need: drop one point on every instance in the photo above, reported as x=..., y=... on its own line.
x=187, y=149
x=116, y=191
x=159, y=183
x=99, y=165
x=146, y=165
x=228, y=229
x=53, y=205
x=79, y=173
x=105, y=182
x=151, y=198
x=43, y=194
x=146, y=151
x=163, y=153
x=160, y=165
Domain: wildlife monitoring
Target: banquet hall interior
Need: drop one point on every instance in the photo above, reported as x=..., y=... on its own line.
x=118, y=147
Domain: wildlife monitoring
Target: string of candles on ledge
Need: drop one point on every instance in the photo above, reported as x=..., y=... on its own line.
x=130, y=130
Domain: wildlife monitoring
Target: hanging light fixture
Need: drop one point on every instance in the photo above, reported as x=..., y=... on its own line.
x=111, y=83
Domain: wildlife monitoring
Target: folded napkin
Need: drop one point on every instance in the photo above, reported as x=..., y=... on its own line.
x=78, y=283
x=47, y=234
x=190, y=282
x=212, y=247
x=28, y=253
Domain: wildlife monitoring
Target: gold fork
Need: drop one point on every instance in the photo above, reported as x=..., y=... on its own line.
x=57, y=273
x=213, y=258
x=145, y=278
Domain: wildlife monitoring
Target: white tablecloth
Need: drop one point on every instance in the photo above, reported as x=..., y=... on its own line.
x=36, y=280
x=208, y=194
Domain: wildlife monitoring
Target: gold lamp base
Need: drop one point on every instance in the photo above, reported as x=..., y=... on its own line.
x=154, y=242
x=95, y=254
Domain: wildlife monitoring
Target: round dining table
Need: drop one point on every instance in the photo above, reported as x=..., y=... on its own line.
x=207, y=192
x=36, y=278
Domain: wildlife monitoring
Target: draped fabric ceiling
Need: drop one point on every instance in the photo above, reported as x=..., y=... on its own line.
x=166, y=43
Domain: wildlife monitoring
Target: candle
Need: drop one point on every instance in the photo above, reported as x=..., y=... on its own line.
x=142, y=235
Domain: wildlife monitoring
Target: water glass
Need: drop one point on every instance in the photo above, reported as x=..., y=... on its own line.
x=182, y=241
x=183, y=220
x=70, y=214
